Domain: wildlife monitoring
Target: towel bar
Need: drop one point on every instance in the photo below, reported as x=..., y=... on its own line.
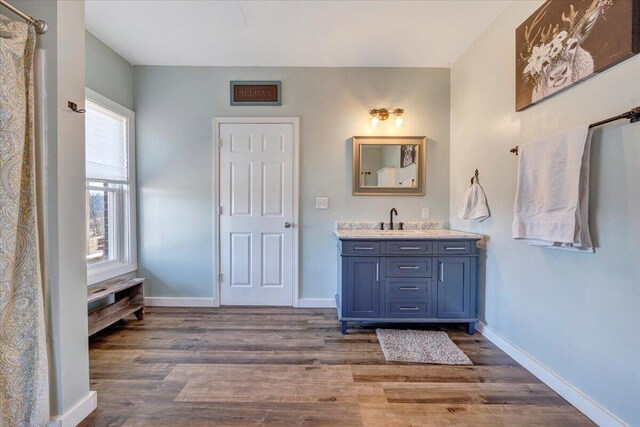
x=633, y=115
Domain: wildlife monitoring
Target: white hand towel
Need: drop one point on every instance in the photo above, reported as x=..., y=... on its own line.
x=552, y=197
x=474, y=204
x=407, y=182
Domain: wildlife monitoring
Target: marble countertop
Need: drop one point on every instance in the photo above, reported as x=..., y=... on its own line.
x=362, y=234
x=432, y=224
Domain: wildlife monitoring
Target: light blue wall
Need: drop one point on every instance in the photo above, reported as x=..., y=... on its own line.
x=108, y=73
x=175, y=107
x=575, y=313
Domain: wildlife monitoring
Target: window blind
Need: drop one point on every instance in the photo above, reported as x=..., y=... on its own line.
x=106, y=144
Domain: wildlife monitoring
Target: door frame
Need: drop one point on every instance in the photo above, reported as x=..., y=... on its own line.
x=295, y=121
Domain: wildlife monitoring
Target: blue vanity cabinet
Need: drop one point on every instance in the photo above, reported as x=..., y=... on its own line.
x=362, y=298
x=454, y=287
x=407, y=281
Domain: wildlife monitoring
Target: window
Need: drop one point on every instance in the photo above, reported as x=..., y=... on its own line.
x=110, y=188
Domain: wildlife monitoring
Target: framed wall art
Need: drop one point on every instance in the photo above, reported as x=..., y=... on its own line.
x=567, y=41
x=256, y=92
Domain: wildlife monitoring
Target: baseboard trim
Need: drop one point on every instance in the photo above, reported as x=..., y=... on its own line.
x=569, y=392
x=210, y=302
x=317, y=303
x=77, y=412
x=179, y=302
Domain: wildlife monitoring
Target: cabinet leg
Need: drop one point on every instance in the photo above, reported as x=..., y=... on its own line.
x=471, y=328
x=343, y=327
x=139, y=314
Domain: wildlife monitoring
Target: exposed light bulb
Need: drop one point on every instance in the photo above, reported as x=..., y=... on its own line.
x=399, y=121
x=374, y=122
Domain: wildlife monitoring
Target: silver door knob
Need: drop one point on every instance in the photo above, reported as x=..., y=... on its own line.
x=287, y=225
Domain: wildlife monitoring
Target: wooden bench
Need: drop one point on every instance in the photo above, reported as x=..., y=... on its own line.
x=129, y=299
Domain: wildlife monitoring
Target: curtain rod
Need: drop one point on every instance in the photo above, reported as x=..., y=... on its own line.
x=40, y=25
x=633, y=115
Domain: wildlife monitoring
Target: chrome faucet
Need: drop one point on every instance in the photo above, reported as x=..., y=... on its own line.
x=393, y=211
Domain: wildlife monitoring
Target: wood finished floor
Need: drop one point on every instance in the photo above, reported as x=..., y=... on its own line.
x=290, y=367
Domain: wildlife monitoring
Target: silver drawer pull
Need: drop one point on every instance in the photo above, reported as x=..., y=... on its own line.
x=409, y=288
x=409, y=248
x=455, y=248
x=409, y=308
x=409, y=267
x=363, y=248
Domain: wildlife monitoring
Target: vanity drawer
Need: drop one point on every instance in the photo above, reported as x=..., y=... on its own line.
x=407, y=308
x=408, y=287
x=408, y=248
x=454, y=248
x=408, y=267
x=360, y=247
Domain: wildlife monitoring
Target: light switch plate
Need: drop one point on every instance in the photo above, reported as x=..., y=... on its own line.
x=425, y=213
x=322, y=203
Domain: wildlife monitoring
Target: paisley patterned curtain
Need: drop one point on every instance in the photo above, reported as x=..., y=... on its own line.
x=24, y=395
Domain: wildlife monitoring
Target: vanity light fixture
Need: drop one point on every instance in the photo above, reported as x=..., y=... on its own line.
x=382, y=114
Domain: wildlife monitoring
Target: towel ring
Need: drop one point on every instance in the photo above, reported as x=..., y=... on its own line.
x=475, y=176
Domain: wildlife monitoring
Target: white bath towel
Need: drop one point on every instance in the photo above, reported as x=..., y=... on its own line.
x=552, y=197
x=474, y=204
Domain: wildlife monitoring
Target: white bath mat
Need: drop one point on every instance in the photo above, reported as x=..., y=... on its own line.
x=421, y=347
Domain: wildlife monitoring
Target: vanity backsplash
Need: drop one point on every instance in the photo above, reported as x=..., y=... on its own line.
x=375, y=225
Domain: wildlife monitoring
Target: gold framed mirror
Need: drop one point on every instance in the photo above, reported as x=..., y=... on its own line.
x=389, y=165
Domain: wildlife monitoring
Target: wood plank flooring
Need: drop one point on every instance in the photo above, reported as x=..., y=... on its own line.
x=291, y=367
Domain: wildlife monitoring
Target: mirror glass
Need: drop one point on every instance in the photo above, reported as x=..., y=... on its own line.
x=389, y=166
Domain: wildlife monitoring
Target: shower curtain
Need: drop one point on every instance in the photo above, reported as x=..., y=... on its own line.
x=24, y=395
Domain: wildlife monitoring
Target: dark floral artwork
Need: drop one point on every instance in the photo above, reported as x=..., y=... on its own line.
x=407, y=155
x=567, y=41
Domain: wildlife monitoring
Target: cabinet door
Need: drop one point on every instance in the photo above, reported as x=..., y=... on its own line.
x=362, y=286
x=454, y=287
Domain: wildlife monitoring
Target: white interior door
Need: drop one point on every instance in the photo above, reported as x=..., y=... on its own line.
x=256, y=220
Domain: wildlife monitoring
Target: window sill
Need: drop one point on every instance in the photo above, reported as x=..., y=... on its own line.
x=97, y=274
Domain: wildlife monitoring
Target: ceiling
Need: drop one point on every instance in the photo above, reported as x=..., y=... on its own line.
x=291, y=33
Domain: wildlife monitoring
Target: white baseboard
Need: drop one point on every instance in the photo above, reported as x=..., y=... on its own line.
x=577, y=398
x=317, y=303
x=179, y=302
x=77, y=413
x=210, y=302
